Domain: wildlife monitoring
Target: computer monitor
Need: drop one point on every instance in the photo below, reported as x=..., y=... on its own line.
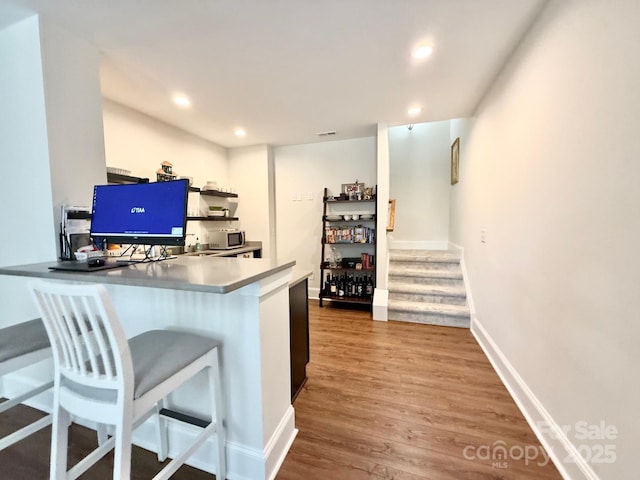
x=141, y=213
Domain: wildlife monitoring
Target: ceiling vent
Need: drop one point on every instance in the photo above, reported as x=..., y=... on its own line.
x=327, y=134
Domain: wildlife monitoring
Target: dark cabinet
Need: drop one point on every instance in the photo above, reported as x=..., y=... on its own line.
x=298, y=336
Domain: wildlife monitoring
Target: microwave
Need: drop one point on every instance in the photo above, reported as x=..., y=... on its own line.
x=225, y=239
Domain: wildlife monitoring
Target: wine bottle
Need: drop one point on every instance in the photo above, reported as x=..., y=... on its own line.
x=369, y=287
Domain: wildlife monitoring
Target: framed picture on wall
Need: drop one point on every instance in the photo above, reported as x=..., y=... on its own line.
x=455, y=161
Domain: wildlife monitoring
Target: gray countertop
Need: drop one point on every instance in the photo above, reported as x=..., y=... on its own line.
x=225, y=253
x=299, y=274
x=196, y=273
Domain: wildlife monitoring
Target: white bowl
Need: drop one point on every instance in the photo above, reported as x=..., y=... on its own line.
x=347, y=217
x=355, y=216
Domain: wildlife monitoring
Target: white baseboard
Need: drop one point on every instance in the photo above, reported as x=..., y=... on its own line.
x=277, y=447
x=380, y=307
x=243, y=463
x=313, y=292
x=465, y=278
x=418, y=245
x=561, y=450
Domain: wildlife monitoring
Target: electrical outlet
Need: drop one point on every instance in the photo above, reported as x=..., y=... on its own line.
x=309, y=195
x=299, y=197
x=483, y=235
x=293, y=197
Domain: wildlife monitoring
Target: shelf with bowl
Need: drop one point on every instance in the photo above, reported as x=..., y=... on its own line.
x=340, y=200
x=341, y=218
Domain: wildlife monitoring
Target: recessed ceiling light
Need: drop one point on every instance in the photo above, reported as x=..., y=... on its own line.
x=414, y=110
x=181, y=101
x=240, y=132
x=423, y=51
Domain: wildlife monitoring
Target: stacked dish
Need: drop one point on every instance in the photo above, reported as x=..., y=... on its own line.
x=216, y=211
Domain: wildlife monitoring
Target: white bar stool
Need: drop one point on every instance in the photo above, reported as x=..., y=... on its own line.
x=22, y=345
x=102, y=377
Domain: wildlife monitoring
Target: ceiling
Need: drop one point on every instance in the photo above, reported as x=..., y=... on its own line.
x=285, y=70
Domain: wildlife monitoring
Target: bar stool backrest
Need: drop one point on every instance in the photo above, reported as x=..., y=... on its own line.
x=88, y=343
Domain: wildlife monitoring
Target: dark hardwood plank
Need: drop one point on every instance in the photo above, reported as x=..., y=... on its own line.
x=402, y=401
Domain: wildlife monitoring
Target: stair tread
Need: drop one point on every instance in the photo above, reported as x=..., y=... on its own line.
x=429, y=308
x=417, y=288
x=435, y=256
x=428, y=273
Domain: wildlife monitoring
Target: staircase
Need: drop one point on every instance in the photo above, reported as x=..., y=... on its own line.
x=426, y=286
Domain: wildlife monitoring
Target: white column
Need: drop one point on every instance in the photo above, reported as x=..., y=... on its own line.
x=51, y=142
x=381, y=293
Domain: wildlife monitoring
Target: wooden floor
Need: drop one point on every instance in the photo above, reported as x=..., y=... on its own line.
x=394, y=400
x=383, y=401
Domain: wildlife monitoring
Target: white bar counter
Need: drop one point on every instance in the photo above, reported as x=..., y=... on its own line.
x=243, y=302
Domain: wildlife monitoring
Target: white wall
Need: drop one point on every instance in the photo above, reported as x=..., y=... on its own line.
x=28, y=233
x=139, y=143
x=250, y=171
x=550, y=169
x=419, y=181
x=307, y=169
x=74, y=117
x=51, y=141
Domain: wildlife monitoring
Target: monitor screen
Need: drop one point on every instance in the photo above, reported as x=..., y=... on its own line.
x=141, y=213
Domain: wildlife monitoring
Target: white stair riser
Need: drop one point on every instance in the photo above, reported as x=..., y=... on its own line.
x=428, y=298
x=430, y=319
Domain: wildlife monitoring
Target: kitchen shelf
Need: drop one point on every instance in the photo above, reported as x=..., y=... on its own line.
x=213, y=219
x=118, y=178
x=218, y=193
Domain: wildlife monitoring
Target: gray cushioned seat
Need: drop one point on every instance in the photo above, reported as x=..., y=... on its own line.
x=156, y=355
x=22, y=338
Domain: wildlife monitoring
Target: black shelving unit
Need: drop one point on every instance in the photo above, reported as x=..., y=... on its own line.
x=348, y=249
